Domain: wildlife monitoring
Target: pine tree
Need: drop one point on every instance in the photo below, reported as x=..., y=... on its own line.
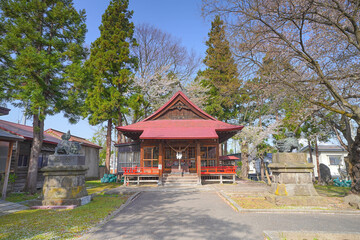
x=42, y=50
x=220, y=76
x=111, y=66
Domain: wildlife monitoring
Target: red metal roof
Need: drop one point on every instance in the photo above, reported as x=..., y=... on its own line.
x=228, y=158
x=25, y=131
x=58, y=134
x=178, y=129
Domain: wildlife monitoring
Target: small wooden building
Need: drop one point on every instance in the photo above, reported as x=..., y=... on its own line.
x=178, y=138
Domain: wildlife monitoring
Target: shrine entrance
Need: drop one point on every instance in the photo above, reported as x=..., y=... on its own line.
x=180, y=159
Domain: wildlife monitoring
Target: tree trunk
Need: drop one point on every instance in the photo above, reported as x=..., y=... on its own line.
x=311, y=158
x=119, y=134
x=317, y=160
x=244, y=160
x=262, y=168
x=354, y=158
x=267, y=176
x=108, y=146
x=38, y=136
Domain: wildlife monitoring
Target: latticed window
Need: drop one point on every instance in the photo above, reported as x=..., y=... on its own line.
x=208, y=156
x=151, y=156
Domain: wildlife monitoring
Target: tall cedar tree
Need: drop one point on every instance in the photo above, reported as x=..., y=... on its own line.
x=42, y=53
x=111, y=66
x=220, y=76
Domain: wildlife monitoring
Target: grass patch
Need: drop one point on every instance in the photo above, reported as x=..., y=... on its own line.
x=59, y=224
x=324, y=203
x=97, y=186
x=332, y=191
x=254, y=203
x=19, y=197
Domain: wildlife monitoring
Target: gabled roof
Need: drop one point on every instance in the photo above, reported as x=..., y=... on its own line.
x=179, y=96
x=197, y=125
x=25, y=131
x=325, y=148
x=58, y=134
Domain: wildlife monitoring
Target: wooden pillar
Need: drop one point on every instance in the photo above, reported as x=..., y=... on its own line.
x=161, y=164
x=125, y=178
x=217, y=154
x=141, y=155
x=198, y=161
x=7, y=170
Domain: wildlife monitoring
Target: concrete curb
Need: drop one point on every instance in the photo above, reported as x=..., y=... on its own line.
x=278, y=235
x=298, y=210
x=314, y=211
x=229, y=201
x=109, y=217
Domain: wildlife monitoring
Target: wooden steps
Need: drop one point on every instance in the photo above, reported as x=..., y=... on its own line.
x=180, y=180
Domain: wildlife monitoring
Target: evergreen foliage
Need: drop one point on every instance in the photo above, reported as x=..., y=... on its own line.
x=220, y=76
x=42, y=50
x=41, y=54
x=111, y=68
x=111, y=64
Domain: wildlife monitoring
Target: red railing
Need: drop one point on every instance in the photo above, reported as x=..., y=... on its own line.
x=218, y=170
x=140, y=171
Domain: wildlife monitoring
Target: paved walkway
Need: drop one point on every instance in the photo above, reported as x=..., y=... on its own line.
x=204, y=215
x=10, y=207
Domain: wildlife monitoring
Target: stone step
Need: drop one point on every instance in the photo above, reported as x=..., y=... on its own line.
x=181, y=181
x=179, y=184
x=190, y=177
x=174, y=176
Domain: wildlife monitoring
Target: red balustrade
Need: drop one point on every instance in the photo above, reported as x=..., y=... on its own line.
x=140, y=171
x=218, y=170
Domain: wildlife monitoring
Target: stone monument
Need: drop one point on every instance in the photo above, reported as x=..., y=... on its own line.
x=64, y=182
x=292, y=174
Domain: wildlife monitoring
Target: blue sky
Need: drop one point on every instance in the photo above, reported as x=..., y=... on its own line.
x=181, y=18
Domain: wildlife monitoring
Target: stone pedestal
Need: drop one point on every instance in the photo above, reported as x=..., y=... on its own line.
x=64, y=182
x=292, y=175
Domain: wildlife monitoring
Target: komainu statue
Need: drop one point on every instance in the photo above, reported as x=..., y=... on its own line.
x=288, y=144
x=66, y=147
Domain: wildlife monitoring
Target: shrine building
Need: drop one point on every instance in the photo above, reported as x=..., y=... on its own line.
x=179, y=141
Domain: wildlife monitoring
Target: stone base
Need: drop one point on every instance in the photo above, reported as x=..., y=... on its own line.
x=293, y=189
x=66, y=160
x=292, y=175
x=64, y=185
x=59, y=202
x=353, y=200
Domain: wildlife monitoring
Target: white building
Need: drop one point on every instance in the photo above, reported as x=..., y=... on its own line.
x=330, y=155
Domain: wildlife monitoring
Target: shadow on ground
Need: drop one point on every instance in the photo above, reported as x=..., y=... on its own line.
x=174, y=215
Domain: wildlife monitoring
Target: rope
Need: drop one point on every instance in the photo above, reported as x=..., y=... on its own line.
x=180, y=150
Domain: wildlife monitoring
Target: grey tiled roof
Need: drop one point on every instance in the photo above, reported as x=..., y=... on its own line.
x=4, y=135
x=325, y=148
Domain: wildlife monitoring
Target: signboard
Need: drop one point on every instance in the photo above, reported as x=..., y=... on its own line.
x=160, y=166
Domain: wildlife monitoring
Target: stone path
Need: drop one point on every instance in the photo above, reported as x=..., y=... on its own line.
x=10, y=207
x=245, y=188
x=204, y=215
